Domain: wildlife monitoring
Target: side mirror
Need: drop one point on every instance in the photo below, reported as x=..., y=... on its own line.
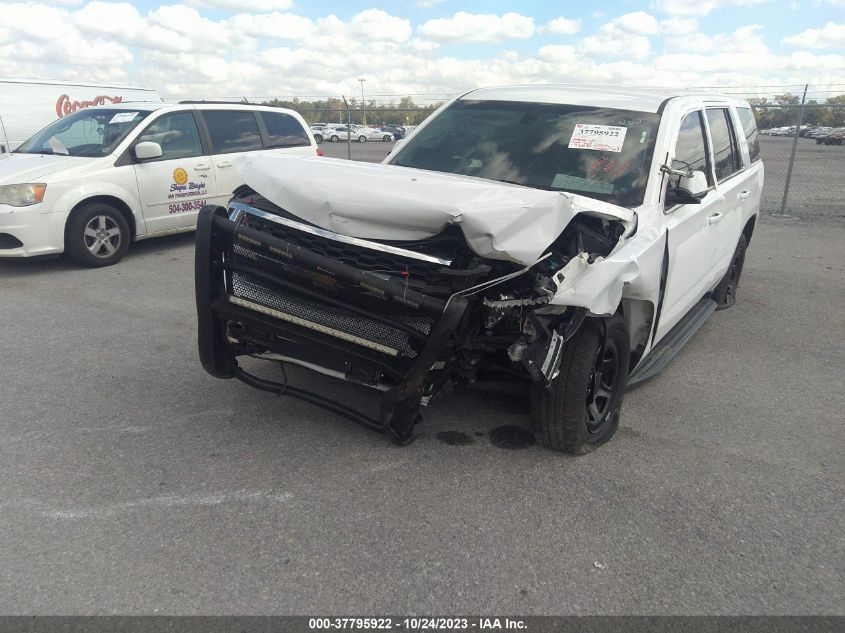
x=147, y=150
x=691, y=188
x=397, y=146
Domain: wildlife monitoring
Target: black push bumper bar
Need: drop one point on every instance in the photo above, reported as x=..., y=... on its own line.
x=214, y=266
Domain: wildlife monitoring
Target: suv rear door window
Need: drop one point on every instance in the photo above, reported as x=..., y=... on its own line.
x=232, y=131
x=726, y=158
x=749, y=128
x=283, y=130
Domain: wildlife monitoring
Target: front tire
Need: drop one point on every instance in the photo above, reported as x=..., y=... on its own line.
x=97, y=235
x=386, y=138
x=334, y=138
x=362, y=139
x=318, y=138
x=580, y=410
x=725, y=293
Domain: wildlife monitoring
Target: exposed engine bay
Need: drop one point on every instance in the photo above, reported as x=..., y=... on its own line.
x=408, y=317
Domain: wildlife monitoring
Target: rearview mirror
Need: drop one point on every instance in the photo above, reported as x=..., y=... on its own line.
x=690, y=189
x=146, y=150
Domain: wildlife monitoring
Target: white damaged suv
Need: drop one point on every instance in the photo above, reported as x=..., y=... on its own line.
x=569, y=240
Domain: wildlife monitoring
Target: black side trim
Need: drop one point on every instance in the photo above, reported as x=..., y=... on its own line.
x=664, y=277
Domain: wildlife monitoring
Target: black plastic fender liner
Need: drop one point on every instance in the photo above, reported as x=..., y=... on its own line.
x=208, y=287
x=401, y=405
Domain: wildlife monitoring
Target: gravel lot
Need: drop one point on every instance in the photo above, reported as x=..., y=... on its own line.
x=132, y=482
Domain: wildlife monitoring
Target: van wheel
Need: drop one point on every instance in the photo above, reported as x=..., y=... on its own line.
x=362, y=139
x=318, y=138
x=386, y=138
x=96, y=235
x=725, y=293
x=580, y=410
x=334, y=138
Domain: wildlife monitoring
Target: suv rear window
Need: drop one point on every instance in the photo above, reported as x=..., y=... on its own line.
x=283, y=130
x=602, y=153
x=749, y=128
x=232, y=131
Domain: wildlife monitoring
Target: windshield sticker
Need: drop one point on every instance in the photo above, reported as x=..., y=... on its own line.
x=123, y=117
x=578, y=184
x=602, y=138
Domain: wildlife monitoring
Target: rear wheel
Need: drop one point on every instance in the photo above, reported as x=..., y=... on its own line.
x=318, y=138
x=334, y=138
x=97, y=235
x=386, y=138
x=580, y=410
x=362, y=139
x=725, y=293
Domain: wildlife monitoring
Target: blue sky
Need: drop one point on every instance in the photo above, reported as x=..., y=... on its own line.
x=262, y=48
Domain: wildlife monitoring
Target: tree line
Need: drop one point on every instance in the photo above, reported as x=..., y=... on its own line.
x=331, y=110
x=780, y=111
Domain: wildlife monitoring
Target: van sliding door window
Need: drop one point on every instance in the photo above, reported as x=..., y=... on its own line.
x=232, y=131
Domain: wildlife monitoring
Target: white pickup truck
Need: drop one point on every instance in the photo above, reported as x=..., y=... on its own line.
x=569, y=239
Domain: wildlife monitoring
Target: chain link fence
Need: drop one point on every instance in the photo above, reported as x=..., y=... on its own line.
x=804, y=159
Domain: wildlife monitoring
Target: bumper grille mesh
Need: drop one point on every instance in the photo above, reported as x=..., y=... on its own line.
x=245, y=287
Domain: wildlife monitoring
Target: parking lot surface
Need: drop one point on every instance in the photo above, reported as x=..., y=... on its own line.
x=132, y=482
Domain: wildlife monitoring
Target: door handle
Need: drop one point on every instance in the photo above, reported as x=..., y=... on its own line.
x=202, y=166
x=742, y=195
x=224, y=163
x=715, y=218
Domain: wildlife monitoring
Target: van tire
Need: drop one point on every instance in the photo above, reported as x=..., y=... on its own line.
x=362, y=139
x=560, y=411
x=96, y=235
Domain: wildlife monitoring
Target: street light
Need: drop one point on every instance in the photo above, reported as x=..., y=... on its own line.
x=362, y=80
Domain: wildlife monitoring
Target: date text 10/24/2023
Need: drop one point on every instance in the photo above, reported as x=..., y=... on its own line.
x=417, y=624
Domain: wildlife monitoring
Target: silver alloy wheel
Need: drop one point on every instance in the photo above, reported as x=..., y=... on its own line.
x=102, y=236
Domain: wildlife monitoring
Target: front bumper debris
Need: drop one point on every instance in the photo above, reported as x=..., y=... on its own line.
x=257, y=292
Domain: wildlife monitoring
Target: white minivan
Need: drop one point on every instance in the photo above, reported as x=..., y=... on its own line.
x=97, y=179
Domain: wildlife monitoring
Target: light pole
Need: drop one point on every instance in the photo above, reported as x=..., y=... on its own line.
x=362, y=80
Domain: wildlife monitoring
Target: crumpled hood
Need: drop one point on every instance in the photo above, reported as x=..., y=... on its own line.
x=22, y=168
x=386, y=202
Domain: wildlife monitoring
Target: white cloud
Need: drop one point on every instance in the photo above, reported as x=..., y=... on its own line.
x=699, y=7
x=427, y=4
x=479, y=27
x=273, y=25
x=638, y=23
x=831, y=35
x=561, y=26
x=675, y=26
x=251, y=6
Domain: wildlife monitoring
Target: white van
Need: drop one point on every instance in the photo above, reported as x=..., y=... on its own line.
x=27, y=105
x=94, y=180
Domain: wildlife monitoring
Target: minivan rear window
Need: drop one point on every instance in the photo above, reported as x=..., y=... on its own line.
x=232, y=131
x=283, y=130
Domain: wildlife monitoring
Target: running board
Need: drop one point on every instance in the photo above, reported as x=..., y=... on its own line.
x=669, y=346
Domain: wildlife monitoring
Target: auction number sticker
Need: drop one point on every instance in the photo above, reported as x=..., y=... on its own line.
x=602, y=138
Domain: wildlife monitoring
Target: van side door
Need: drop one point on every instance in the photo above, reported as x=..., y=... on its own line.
x=231, y=133
x=174, y=187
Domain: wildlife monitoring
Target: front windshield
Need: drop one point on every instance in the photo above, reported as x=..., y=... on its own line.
x=602, y=153
x=88, y=132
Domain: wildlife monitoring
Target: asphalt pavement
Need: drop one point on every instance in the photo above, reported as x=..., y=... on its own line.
x=132, y=482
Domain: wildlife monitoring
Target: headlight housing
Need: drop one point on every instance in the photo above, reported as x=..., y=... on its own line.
x=22, y=195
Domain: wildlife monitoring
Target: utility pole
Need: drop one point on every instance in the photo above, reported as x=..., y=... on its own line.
x=362, y=80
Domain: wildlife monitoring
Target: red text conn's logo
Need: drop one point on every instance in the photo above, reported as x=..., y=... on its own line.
x=65, y=106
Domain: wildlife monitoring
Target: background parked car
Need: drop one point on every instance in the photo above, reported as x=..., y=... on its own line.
x=835, y=137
